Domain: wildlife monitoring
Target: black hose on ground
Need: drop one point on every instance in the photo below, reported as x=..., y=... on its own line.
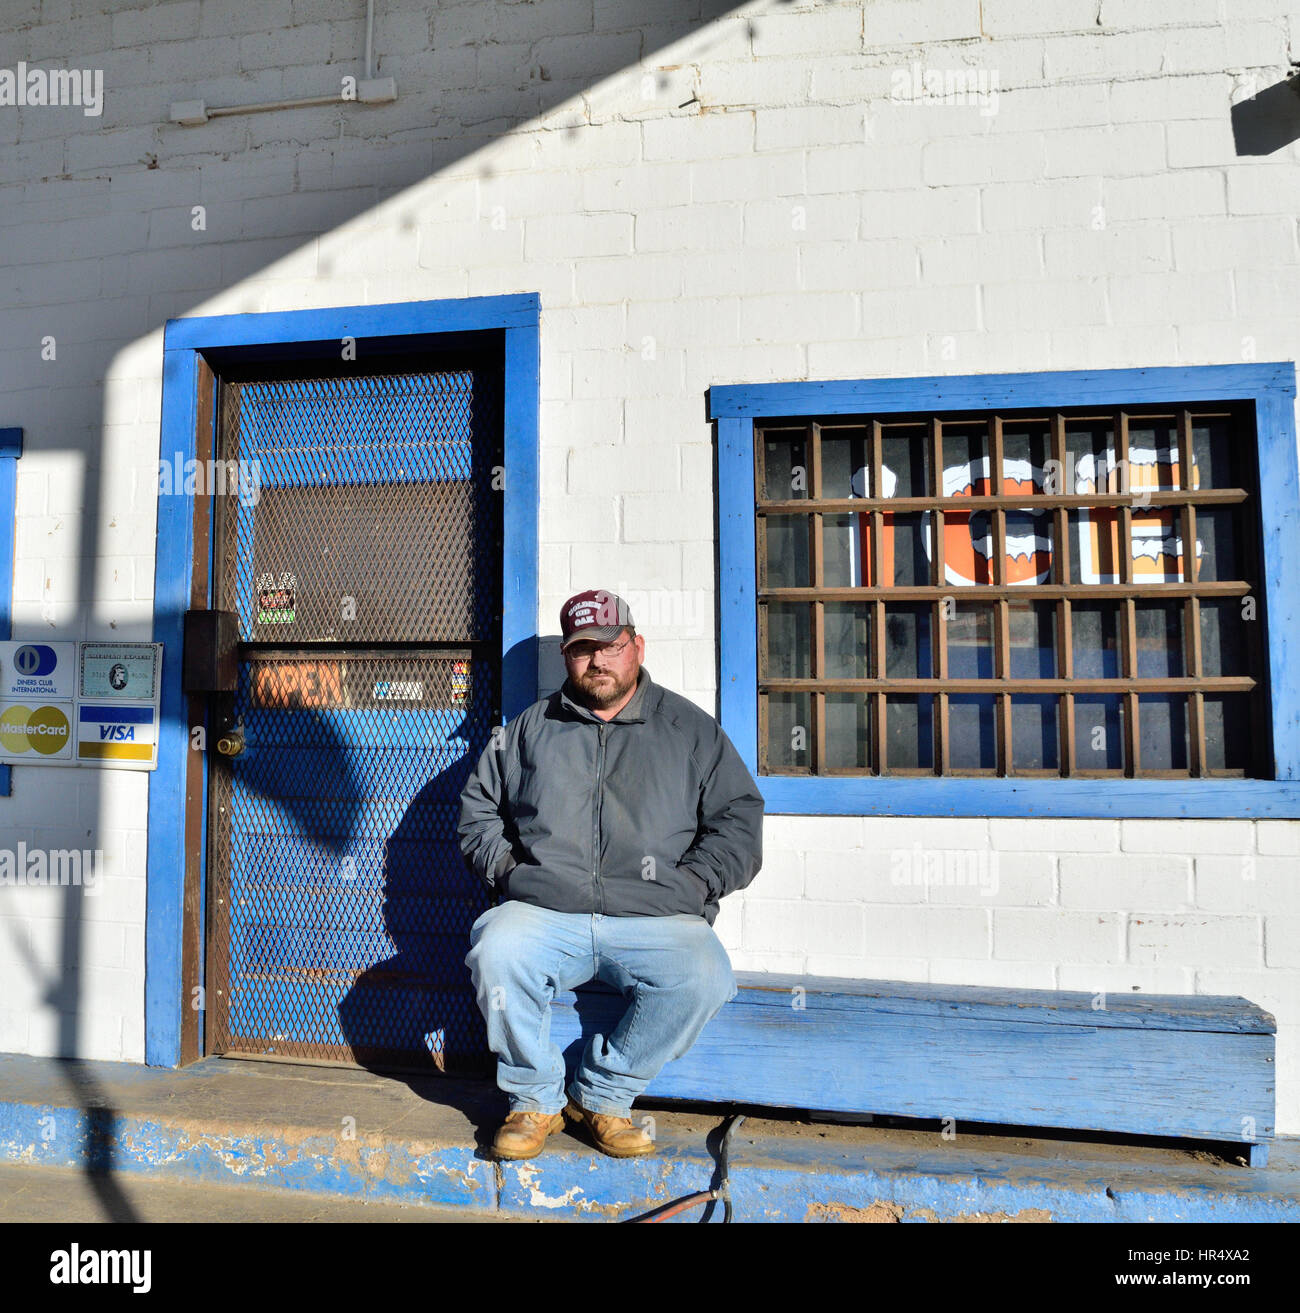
x=723, y=1190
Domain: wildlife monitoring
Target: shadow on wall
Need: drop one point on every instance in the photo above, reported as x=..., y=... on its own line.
x=94, y=319
x=1265, y=123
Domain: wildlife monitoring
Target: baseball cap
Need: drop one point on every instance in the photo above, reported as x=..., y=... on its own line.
x=596, y=614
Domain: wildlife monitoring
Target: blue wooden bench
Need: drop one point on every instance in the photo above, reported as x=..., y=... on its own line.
x=1198, y=1066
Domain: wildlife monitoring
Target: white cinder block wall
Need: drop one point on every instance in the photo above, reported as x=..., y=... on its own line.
x=701, y=196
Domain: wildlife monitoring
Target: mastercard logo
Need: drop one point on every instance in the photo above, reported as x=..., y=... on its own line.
x=43, y=730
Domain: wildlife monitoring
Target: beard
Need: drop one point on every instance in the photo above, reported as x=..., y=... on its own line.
x=602, y=688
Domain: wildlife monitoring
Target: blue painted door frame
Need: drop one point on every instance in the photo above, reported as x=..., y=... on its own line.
x=375, y=328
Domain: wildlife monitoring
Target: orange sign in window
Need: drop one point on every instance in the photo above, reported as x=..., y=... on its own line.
x=298, y=684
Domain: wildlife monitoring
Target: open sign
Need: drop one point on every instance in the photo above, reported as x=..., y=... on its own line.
x=298, y=684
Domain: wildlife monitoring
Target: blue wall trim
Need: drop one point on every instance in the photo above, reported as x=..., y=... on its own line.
x=11, y=447
x=1271, y=386
x=183, y=340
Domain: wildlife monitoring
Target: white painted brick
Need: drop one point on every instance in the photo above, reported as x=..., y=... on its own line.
x=675, y=323
x=693, y=227
x=775, y=926
x=883, y=164
x=1262, y=189
x=927, y=931
x=1004, y=18
x=1247, y=883
x=13, y=1030
x=1042, y=304
x=1001, y=975
x=802, y=832
x=1156, y=13
x=1037, y=206
x=986, y=159
x=781, y=876
x=221, y=17
x=1047, y=109
x=867, y=967
x=600, y=375
x=884, y=833
x=802, y=219
x=1201, y=939
x=700, y=670
x=1159, y=298
x=1277, y=992
x=995, y=879
x=593, y=470
x=631, y=190
x=1127, y=979
x=810, y=32
x=1188, y=193
x=664, y=517
x=1262, y=243
x=698, y=136
x=580, y=519
x=920, y=310
x=1171, y=836
x=754, y=175
x=1109, y=348
x=780, y=964
x=859, y=358
x=832, y=266
x=1060, y=935
x=793, y=127
x=1085, y=252
x=858, y=875
x=990, y=256
x=1282, y=941
x=1279, y=838
x=902, y=22
x=1127, y=883
x=937, y=210
x=736, y=84
x=1266, y=294
x=764, y=318
x=715, y=273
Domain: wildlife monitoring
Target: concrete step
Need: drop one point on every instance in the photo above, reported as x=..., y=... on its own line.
x=421, y=1141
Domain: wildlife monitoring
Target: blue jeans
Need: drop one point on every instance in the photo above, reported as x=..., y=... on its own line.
x=674, y=967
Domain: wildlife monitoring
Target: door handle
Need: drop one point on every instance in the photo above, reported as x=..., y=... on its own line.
x=231, y=743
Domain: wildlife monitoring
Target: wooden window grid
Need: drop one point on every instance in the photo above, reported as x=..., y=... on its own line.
x=1067, y=594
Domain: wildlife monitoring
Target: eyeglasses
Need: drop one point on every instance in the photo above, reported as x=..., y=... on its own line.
x=585, y=654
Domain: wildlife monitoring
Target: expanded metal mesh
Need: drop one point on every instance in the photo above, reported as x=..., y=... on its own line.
x=340, y=904
x=340, y=892
x=364, y=507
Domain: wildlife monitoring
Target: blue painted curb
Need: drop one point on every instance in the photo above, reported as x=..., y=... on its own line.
x=772, y=1179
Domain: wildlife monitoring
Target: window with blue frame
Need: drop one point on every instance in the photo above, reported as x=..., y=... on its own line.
x=1062, y=578
x=1010, y=592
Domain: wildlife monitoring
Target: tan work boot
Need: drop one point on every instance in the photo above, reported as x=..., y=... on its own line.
x=616, y=1136
x=523, y=1134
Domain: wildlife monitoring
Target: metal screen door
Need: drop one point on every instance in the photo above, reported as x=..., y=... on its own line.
x=365, y=573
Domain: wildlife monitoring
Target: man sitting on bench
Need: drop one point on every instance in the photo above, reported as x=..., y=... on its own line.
x=611, y=817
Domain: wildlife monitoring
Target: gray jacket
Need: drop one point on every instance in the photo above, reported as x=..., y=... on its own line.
x=648, y=814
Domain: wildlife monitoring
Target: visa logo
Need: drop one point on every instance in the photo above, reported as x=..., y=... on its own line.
x=118, y=733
